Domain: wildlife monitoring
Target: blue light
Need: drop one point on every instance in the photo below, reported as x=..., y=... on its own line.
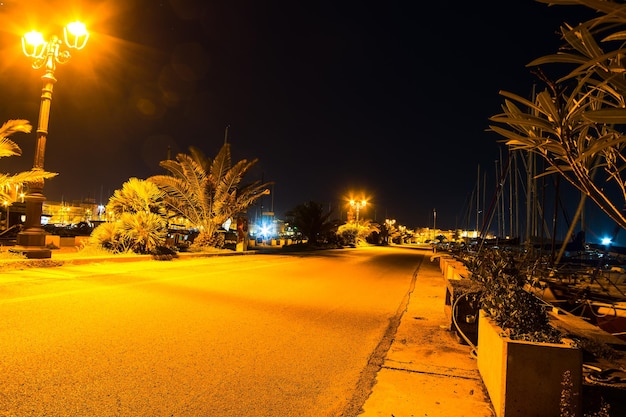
x=606, y=241
x=266, y=231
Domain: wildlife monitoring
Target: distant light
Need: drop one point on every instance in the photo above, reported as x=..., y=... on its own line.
x=606, y=241
x=266, y=230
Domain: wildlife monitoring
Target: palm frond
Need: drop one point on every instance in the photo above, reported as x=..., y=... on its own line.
x=9, y=148
x=221, y=164
x=200, y=158
x=14, y=126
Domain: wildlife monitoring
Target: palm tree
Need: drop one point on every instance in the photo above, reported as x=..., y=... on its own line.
x=8, y=182
x=208, y=192
x=309, y=218
x=144, y=231
x=136, y=196
x=355, y=234
x=140, y=223
x=574, y=123
x=109, y=236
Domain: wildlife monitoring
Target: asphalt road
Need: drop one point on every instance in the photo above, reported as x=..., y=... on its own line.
x=244, y=336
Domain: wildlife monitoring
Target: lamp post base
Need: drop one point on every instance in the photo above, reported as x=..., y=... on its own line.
x=32, y=244
x=32, y=252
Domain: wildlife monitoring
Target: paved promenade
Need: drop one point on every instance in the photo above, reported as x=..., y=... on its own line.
x=426, y=371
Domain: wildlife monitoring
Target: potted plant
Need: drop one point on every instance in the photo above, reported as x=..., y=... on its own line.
x=522, y=358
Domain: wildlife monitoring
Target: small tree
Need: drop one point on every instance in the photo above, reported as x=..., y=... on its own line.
x=348, y=234
x=136, y=196
x=502, y=277
x=139, y=219
x=356, y=234
x=110, y=237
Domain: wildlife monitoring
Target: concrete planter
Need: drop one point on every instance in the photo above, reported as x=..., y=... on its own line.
x=524, y=379
x=461, y=311
x=67, y=241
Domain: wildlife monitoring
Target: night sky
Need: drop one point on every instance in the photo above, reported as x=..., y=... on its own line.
x=389, y=100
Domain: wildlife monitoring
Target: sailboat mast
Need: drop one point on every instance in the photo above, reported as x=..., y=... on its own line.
x=516, y=188
x=511, y=179
x=529, y=197
x=478, y=200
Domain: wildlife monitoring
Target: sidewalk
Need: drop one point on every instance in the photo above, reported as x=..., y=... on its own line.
x=426, y=372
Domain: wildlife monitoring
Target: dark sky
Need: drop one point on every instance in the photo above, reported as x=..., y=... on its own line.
x=389, y=100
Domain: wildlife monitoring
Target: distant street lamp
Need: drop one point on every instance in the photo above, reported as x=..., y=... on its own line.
x=357, y=205
x=389, y=225
x=46, y=54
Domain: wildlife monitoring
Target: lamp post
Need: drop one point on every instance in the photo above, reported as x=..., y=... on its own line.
x=46, y=54
x=358, y=205
x=389, y=224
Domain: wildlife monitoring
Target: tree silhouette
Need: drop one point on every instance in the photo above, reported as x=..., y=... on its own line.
x=309, y=218
x=208, y=192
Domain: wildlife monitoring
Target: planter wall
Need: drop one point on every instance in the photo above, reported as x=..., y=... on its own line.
x=62, y=242
x=443, y=262
x=53, y=240
x=451, y=268
x=524, y=379
x=458, y=308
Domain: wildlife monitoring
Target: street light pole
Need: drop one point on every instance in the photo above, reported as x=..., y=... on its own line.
x=31, y=241
x=357, y=205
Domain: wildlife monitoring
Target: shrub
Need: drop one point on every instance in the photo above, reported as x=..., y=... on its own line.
x=503, y=296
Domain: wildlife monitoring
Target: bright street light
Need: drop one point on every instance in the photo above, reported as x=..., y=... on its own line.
x=358, y=205
x=46, y=54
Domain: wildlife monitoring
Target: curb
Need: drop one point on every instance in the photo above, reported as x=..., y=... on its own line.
x=70, y=258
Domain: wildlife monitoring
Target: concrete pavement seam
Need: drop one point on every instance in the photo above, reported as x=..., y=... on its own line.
x=430, y=373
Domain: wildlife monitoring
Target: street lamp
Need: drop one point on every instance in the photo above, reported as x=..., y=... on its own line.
x=357, y=205
x=45, y=54
x=389, y=224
